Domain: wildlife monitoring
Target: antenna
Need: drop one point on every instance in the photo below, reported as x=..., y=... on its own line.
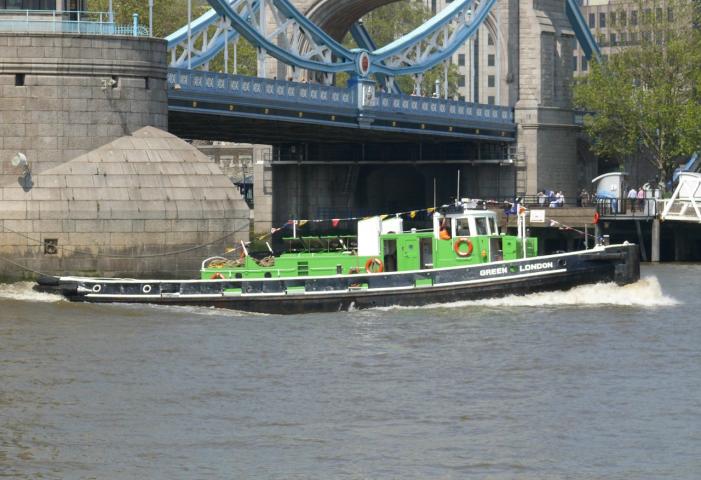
x=457, y=198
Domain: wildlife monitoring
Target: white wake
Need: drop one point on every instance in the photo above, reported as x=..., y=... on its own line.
x=646, y=292
x=22, y=291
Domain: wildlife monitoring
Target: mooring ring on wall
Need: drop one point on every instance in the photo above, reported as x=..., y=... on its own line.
x=146, y=288
x=97, y=288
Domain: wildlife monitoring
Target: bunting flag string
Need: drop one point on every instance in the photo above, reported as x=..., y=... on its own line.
x=562, y=226
x=335, y=222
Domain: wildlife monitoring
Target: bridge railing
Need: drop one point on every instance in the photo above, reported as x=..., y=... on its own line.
x=315, y=95
x=439, y=107
x=74, y=21
x=260, y=88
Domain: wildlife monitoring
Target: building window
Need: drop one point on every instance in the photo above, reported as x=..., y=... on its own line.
x=574, y=63
x=613, y=39
x=490, y=99
x=670, y=14
x=585, y=64
x=461, y=59
x=659, y=14
x=490, y=39
x=490, y=81
x=592, y=20
x=461, y=81
x=19, y=80
x=633, y=38
x=634, y=18
x=490, y=60
x=622, y=18
x=602, y=20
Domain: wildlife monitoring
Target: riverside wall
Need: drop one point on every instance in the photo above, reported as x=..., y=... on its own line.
x=107, y=190
x=63, y=95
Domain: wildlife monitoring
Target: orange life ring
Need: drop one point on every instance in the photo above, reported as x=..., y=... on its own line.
x=374, y=261
x=458, y=244
x=596, y=217
x=217, y=276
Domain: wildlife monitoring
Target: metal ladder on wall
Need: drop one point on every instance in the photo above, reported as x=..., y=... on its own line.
x=518, y=156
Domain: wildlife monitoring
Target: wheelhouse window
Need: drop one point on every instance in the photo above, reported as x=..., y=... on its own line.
x=462, y=227
x=481, y=226
x=493, y=226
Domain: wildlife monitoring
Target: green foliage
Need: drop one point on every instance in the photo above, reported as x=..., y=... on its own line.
x=168, y=15
x=646, y=98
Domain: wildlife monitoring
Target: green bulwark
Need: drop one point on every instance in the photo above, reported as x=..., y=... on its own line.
x=400, y=252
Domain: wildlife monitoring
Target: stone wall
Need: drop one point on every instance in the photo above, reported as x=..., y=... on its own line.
x=63, y=95
x=547, y=135
x=146, y=205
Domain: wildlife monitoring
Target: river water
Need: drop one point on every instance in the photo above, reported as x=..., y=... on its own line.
x=599, y=382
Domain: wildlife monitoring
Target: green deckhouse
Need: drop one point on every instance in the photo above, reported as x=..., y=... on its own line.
x=462, y=235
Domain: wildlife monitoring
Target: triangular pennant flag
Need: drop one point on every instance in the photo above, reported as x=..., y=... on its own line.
x=430, y=210
x=302, y=223
x=383, y=216
x=413, y=214
x=334, y=222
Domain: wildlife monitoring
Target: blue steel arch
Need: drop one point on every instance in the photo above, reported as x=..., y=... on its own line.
x=346, y=60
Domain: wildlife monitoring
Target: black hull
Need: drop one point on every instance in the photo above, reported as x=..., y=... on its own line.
x=618, y=264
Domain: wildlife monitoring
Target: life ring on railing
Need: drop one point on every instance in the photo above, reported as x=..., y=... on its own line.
x=459, y=242
x=374, y=261
x=596, y=217
x=217, y=276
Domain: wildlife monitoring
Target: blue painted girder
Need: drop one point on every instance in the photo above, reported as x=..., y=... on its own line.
x=581, y=31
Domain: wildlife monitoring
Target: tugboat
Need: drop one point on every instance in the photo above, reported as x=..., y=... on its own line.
x=463, y=257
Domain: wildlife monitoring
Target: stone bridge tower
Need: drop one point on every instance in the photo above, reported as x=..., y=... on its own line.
x=541, y=43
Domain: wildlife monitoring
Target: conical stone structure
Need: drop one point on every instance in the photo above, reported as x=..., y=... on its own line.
x=145, y=205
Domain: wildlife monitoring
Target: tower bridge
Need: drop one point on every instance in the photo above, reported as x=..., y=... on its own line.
x=94, y=191
x=523, y=140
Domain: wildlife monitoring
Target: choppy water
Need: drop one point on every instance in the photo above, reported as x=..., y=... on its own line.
x=600, y=382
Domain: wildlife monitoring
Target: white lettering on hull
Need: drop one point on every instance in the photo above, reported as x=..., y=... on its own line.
x=535, y=266
x=493, y=271
x=531, y=267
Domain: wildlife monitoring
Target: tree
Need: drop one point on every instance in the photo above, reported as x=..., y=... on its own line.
x=646, y=98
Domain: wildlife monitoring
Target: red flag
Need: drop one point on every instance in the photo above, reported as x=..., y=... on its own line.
x=334, y=222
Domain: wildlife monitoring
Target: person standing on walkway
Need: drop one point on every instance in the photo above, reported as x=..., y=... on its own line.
x=632, y=198
x=641, y=199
